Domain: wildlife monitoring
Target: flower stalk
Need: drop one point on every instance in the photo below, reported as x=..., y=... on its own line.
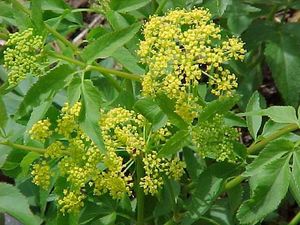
x=24, y=147
x=103, y=70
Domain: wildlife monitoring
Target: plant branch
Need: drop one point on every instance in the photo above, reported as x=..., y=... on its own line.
x=101, y=69
x=24, y=147
x=258, y=146
x=295, y=220
x=262, y=143
x=118, y=73
x=61, y=38
x=67, y=59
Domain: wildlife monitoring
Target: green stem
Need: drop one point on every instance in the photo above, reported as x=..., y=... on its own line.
x=24, y=147
x=103, y=70
x=258, y=146
x=115, y=72
x=67, y=59
x=262, y=143
x=295, y=220
x=61, y=38
x=140, y=191
x=232, y=183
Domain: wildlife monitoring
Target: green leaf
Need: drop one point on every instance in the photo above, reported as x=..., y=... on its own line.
x=216, y=7
x=235, y=197
x=6, y=14
x=74, y=90
x=175, y=143
x=3, y=115
x=90, y=112
x=37, y=15
x=69, y=218
x=268, y=193
x=152, y=112
x=272, y=152
x=254, y=122
x=5, y=151
x=45, y=87
x=127, y=6
x=129, y=61
x=54, y=5
x=107, y=44
x=16, y=205
x=258, y=32
x=23, y=20
x=26, y=163
x=92, y=210
x=208, y=186
x=233, y=120
x=219, y=106
x=283, y=58
x=167, y=198
x=116, y=20
x=106, y=220
x=239, y=16
x=295, y=177
x=281, y=114
x=194, y=164
x=167, y=106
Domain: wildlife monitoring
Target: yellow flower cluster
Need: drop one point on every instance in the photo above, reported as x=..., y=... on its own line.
x=78, y=157
x=121, y=129
x=76, y=154
x=113, y=179
x=40, y=131
x=155, y=167
x=215, y=140
x=54, y=150
x=83, y=165
x=179, y=48
x=162, y=134
x=24, y=51
x=41, y=174
x=71, y=202
x=68, y=121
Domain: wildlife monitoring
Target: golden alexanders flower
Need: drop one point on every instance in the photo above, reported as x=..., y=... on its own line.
x=74, y=156
x=122, y=128
x=155, y=167
x=180, y=49
x=40, y=131
x=23, y=53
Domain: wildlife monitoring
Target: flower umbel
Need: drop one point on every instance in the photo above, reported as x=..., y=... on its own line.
x=180, y=49
x=40, y=131
x=24, y=51
x=215, y=140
